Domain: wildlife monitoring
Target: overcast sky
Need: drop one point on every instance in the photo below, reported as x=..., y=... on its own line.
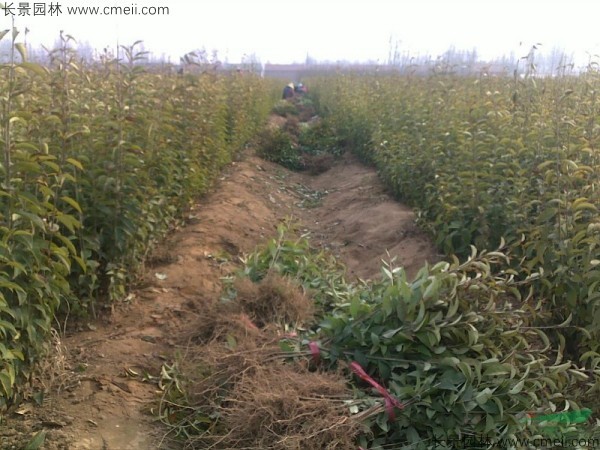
x=354, y=30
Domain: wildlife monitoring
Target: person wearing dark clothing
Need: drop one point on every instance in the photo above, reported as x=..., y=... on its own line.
x=288, y=91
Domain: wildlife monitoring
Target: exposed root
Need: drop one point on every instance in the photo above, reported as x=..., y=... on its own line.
x=265, y=403
x=274, y=300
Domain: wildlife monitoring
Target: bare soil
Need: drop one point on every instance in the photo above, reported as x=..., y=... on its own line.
x=100, y=397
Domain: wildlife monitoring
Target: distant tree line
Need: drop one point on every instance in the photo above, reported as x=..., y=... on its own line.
x=453, y=60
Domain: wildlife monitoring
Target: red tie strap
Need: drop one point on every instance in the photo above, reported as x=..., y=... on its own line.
x=390, y=401
x=315, y=352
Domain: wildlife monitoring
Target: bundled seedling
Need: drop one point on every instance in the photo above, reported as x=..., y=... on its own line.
x=233, y=387
x=250, y=398
x=453, y=353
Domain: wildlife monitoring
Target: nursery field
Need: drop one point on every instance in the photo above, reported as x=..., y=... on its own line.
x=99, y=160
x=502, y=164
x=187, y=262
x=493, y=161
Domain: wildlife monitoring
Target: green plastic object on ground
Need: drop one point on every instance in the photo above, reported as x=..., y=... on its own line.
x=562, y=424
x=564, y=418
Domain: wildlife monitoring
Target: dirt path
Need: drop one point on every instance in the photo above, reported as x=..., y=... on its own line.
x=104, y=399
x=359, y=221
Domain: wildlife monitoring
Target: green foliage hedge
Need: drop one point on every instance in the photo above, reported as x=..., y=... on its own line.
x=98, y=161
x=486, y=157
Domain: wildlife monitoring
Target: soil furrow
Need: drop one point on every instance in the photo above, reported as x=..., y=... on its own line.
x=103, y=379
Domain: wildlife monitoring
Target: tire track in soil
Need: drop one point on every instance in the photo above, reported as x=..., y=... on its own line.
x=98, y=406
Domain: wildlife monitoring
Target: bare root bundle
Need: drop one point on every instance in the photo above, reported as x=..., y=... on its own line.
x=275, y=299
x=52, y=373
x=238, y=388
x=213, y=370
x=284, y=408
x=220, y=320
x=270, y=405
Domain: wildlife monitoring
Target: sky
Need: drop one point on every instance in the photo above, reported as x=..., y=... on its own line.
x=352, y=30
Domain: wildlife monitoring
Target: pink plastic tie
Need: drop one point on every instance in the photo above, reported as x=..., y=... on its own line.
x=390, y=401
x=315, y=352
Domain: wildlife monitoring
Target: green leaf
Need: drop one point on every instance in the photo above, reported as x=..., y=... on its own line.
x=496, y=369
x=562, y=367
x=473, y=335
x=38, y=440
x=566, y=322
x=68, y=221
x=38, y=397
x=7, y=355
x=26, y=146
x=585, y=206
x=20, y=47
x=391, y=333
x=453, y=308
x=75, y=163
x=548, y=214
x=432, y=290
x=355, y=304
x=72, y=202
x=449, y=361
x=6, y=384
x=517, y=388
x=231, y=342
x=484, y=396
x=35, y=68
x=375, y=339
x=490, y=423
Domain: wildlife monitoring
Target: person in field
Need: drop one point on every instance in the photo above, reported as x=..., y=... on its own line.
x=300, y=89
x=288, y=91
